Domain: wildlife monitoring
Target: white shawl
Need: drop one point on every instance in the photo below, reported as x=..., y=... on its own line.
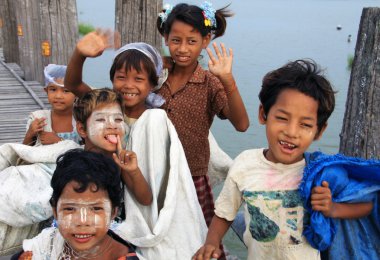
x=173, y=227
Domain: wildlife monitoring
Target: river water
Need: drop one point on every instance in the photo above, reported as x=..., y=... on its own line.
x=265, y=34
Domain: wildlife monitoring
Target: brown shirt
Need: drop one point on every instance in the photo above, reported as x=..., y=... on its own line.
x=192, y=109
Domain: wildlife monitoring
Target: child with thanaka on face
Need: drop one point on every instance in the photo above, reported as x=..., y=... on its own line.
x=137, y=70
x=296, y=102
x=51, y=126
x=100, y=122
x=85, y=199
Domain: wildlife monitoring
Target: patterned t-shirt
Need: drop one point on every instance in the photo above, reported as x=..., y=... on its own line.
x=274, y=211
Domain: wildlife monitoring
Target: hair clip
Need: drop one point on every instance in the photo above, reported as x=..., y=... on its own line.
x=165, y=13
x=208, y=14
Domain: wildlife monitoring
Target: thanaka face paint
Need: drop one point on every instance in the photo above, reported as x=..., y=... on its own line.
x=104, y=125
x=84, y=217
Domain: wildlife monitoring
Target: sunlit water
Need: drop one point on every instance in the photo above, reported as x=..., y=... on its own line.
x=265, y=35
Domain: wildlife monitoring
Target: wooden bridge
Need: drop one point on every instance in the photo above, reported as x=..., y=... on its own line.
x=17, y=99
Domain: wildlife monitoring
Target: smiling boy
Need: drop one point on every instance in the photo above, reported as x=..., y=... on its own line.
x=296, y=102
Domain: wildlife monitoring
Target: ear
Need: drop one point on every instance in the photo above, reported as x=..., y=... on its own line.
x=114, y=212
x=55, y=213
x=166, y=37
x=319, y=134
x=81, y=130
x=262, y=116
x=206, y=41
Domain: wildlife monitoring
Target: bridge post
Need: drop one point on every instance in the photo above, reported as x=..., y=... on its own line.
x=47, y=33
x=136, y=21
x=360, y=136
x=8, y=31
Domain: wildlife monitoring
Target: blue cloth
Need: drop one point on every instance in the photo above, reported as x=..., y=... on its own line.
x=350, y=180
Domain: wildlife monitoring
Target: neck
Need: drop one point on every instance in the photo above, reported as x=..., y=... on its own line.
x=135, y=112
x=62, y=113
x=184, y=71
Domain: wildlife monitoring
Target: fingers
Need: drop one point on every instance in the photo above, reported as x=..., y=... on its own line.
x=217, y=52
x=118, y=145
x=325, y=184
x=211, y=55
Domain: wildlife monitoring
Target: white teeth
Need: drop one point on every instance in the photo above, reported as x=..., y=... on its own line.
x=287, y=144
x=129, y=94
x=82, y=236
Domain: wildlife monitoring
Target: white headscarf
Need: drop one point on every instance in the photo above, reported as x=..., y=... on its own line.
x=53, y=72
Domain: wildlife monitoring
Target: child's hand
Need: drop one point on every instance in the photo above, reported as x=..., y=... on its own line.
x=127, y=160
x=220, y=66
x=95, y=43
x=206, y=252
x=321, y=199
x=49, y=137
x=36, y=126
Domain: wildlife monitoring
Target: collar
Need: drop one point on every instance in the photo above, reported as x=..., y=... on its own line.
x=199, y=75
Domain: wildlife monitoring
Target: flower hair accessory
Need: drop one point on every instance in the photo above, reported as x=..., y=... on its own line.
x=165, y=13
x=208, y=14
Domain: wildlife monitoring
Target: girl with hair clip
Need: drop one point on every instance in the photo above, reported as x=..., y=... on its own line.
x=172, y=227
x=193, y=95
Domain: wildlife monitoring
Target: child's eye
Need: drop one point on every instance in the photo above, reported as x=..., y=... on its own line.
x=139, y=79
x=281, y=118
x=192, y=42
x=97, y=208
x=52, y=89
x=119, y=120
x=306, y=125
x=175, y=40
x=66, y=91
x=120, y=77
x=68, y=209
x=100, y=120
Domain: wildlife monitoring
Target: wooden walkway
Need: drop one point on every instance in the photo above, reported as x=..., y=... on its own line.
x=17, y=99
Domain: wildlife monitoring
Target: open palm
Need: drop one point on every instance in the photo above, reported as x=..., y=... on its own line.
x=221, y=64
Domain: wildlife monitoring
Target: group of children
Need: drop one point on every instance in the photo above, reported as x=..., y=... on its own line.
x=147, y=167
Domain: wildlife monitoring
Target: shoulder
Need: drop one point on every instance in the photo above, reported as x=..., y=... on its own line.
x=40, y=113
x=156, y=114
x=245, y=161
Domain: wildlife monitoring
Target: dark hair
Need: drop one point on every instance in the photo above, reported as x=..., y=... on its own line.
x=86, y=168
x=193, y=15
x=137, y=60
x=85, y=105
x=305, y=77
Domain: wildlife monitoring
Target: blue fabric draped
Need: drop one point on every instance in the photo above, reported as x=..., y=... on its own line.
x=350, y=180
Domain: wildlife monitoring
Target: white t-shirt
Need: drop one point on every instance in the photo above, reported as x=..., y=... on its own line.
x=274, y=213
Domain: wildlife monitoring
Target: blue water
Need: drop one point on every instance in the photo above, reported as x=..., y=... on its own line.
x=265, y=34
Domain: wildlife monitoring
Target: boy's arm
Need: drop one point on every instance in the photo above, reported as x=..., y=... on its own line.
x=91, y=45
x=216, y=231
x=221, y=67
x=321, y=200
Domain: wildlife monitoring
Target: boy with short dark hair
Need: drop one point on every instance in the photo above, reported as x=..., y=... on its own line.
x=296, y=102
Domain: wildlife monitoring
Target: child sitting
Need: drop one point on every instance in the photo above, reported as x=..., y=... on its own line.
x=86, y=196
x=296, y=102
x=57, y=124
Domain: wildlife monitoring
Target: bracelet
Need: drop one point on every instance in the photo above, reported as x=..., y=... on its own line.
x=231, y=90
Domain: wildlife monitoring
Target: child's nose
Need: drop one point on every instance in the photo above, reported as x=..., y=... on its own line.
x=182, y=47
x=291, y=130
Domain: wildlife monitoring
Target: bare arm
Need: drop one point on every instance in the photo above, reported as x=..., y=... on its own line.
x=92, y=45
x=216, y=232
x=321, y=200
x=221, y=66
x=132, y=176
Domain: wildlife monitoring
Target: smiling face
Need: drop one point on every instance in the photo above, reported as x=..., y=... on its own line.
x=291, y=126
x=84, y=217
x=134, y=86
x=60, y=98
x=185, y=44
x=103, y=127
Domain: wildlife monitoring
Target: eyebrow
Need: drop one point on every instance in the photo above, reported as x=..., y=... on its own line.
x=107, y=113
x=287, y=113
x=75, y=204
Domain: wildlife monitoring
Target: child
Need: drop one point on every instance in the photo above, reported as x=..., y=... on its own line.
x=296, y=102
x=57, y=124
x=193, y=96
x=172, y=227
x=86, y=196
x=99, y=116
